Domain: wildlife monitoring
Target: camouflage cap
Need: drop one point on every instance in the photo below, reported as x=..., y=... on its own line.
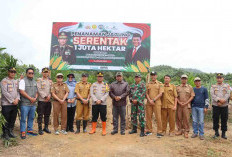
x=138, y=75
x=197, y=79
x=119, y=74
x=184, y=76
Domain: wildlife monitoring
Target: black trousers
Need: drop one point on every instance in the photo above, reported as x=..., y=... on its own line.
x=99, y=109
x=43, y=110
x=70, y=117
x=10, y=113
x=217, y=113
x=119, y=111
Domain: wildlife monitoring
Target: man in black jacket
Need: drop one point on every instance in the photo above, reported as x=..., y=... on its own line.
x=137, y=52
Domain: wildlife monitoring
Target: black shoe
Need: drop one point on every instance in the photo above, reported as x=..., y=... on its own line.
x=224, y=135
x=114, y=132
x=159, y=135
x=148, y=133
x=11, y=133
x=46, y=129
x=134, y=130
x=216, y=134
x=71, y=130
x=84, y=125
x=142, y=132
x=122, y=133
x=40, y=130
x=78, y=123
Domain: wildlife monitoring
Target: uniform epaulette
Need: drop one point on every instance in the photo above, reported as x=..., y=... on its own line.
x=189, y=85
x=214, y=86
x=38, y=79
x=54, y=45
x=70, y=46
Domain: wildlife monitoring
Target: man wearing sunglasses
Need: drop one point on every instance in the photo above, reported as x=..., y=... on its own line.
x=29, y=95
x=44, y=103
x=60, y=93
x=10, y=99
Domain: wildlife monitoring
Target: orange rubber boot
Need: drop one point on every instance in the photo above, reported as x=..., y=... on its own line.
x=103, y=128
x=94, y=125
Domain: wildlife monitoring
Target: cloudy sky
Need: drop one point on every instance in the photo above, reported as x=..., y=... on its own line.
x=185, y=34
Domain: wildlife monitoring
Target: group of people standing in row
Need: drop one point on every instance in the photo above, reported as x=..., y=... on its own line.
x=170, y=104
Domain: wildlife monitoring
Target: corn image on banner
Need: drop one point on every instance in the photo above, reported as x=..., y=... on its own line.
x=100, y=46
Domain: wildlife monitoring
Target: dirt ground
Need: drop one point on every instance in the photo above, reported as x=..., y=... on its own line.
x=85, y=145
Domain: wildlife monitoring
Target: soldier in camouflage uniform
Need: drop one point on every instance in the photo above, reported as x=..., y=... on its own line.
x=64, y=50
x=137, y=95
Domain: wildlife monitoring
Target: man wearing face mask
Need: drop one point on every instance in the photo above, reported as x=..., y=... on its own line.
x=138, y=52
x=10, y=99
x=220, y=94
x=64, y=50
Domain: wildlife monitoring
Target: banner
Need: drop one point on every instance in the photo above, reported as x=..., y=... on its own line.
x=100, y=46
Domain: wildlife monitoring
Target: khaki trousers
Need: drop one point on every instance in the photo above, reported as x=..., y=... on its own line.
x=182, y=119
x=150, y=109
x=82, y=111
x=168, y=116
x=57, y=109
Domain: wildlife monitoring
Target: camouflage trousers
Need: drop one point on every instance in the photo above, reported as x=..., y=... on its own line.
x=137, y=109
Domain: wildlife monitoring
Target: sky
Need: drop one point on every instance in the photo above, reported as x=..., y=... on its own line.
x=184, y=34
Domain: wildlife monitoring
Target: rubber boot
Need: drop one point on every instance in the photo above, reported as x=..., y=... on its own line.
x=11, y=133
x=142, y=132
x=78, y=123
x=84, y=125
x=94, y=125
x=103, y=128
x=134, y=130
x=46, y=129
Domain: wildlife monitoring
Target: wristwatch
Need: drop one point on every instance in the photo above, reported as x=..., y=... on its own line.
x=153, y=100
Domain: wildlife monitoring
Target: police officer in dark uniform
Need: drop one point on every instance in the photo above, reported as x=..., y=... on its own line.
x=64, y=50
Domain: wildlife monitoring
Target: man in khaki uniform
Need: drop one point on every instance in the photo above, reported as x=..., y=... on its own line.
x=169, y=103
x=82, y=90
x=185, y=96
x=60, y=93
x=44, y=104
x=154, y=92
